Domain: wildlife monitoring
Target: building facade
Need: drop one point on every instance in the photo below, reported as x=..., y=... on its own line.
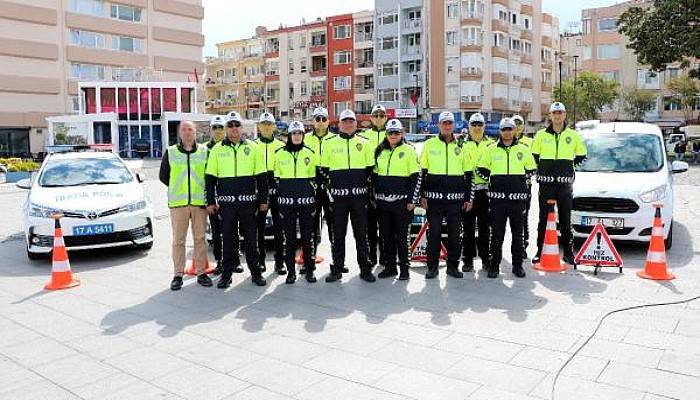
x=48, y=46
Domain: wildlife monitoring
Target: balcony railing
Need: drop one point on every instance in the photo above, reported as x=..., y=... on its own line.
x=317, y=72
x=470, y=74
x=499, y=52
x=317, y=48
x=364, y=64
x=363, y=37
x=526, y=83
x=410, y=50
x=472, y=47
x=497, y=77
x=412, y=23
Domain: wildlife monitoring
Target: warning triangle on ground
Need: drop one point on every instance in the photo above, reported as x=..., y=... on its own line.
x=599, y=250
x=419, y=248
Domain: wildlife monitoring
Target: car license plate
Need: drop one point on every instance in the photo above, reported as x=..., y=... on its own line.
x=88, y=230
x=607, y=222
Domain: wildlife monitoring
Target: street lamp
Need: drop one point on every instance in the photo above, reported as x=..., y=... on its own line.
x=575, y=89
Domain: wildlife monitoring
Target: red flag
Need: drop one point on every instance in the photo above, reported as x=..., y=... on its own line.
x=196, y=76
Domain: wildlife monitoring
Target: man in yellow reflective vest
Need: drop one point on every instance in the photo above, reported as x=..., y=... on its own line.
x=267, y=146
x=375, y=135
x=236, y=182
x=217, y=125
x=557, y=149
x=527, y=141
x=182, y=170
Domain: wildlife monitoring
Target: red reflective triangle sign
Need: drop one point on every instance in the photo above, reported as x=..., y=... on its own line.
x=599, y=250
x=419, y=248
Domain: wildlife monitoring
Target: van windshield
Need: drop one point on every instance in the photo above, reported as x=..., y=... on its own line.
x=623, y=152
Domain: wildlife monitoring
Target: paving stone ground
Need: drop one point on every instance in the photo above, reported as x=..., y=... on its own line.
x=124, y=335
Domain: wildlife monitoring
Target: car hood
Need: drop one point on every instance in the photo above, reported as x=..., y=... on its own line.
x=89, y=197
x=618, y=184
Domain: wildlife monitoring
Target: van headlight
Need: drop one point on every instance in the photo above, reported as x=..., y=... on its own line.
x=135, y=206
x=653, y=195
x=38, y=211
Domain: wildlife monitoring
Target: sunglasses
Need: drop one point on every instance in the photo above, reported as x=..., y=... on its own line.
x=506, y=129
x=447, y=122
x=217, y=127
x=234, y=124
x=297, y=133
x=320, y=119
x=379, y=115
x=477, y=124
x=393, y=133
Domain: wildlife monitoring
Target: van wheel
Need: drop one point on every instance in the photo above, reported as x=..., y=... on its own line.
x=669, y=240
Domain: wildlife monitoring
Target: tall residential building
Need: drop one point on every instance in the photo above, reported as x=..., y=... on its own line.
x=605, y=51
x=570, y=55
x=340, y=64
x=294, y=72
x=493, y=56
x=363, y=59
x=235, y=79
x=48, y=46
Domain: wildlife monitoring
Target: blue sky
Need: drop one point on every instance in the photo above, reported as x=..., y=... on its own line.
x=236, y=19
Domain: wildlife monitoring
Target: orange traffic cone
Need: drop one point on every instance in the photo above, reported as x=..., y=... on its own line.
x=549, y=259
x=655, y=267
x=61, y=275
x=191, y=268
x=299, y=260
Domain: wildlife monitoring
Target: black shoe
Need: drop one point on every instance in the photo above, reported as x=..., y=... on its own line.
x=291, y=278
x=403, y=276
x=569, y=259
x=493, y=273
x=536, y=259
x=345, y=270
x=259, y=280
x=262, y=267
x=333, y=277
x=280, y=269
x=432, y=273
x=219, y=269
x=454, y=272
x=468, y=266
x=519, y=272
x=387, y=272
x=204, y=280
x=224, y=282
x=302, y=270
x=310, y=277
x=176, y=283
x=367, y=276
x=237, y=269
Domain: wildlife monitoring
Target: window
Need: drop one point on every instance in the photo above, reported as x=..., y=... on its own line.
x=87, y=72
x=526, y=22
x=125, y=13
x=341, y=83
x=473, y=8
x=499, y=40
x=607, y=25
x=90, y=7
x=389, y=43
x=527, y=47
x=451, y=38
x=272, y=68
x=291, y=67
x=303, y=88
x=302, y=66
x=413, y=14
x=290, y=43
x=318, y=39
x=614, y=75
x=452, y=64
x=586, y=26
x=342, y=32
x=388, y=95
x=514, y=19
x=388, y=69
x=503, y=16
x=367, y=81
x=342, y=57
x=318, y=88
x=413, y=66
x=647, y=79
x=587, y=52
x=291, y=91
x=302, y=41
x=388, y=18
x=452, y=10
x=340, y=106
x=671, y=103
x=607, y=51
x=122, y=43
x=413, y=39
x=472, y=36
x=87, y=39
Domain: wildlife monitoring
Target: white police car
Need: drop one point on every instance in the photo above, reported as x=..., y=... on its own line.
x=101, y=199
x=626, y=174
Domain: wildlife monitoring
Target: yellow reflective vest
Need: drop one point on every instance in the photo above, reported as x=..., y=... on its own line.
x=186, y=186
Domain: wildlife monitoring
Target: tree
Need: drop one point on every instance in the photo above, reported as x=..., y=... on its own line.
x=667, y=32
x=593, y=92
x=637, y=102
x=687, y=91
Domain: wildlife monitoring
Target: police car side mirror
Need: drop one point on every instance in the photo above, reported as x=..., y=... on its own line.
x=679, y=166
x=140, y=178
x=25, y=183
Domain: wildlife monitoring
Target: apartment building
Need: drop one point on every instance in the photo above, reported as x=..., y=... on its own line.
x=363, y=59
x=493, y=56
x=605, y=51
x=570, y=55
x=235, y=79
x=48, y=46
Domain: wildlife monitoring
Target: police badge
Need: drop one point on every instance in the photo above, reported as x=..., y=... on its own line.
x=401, y=154
x=307, y=160
x=568, y=140
x=457, y=151
x=246, y=150
x=520, y=156
x=359, y=147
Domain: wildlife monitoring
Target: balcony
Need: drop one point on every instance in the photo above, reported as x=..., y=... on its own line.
x=526, y=59
x=499, y=52
x=272, y=76
x=272, y=53
x=318, y=48
x=412, y=24
x=526, y=83
x=362, y=89
x=363, y=37
x=499, y=104
x=498, y=77
x=526, y=9
x=504, y=3
x=526, y=34
x=364, y=63
x=317, y=73
x=498, y=25
x=546, y=41
x=470, y=75
x=472, y=19
x=410, y=51
x=317, y=98
x=470, y=102
x=547, y=87
x=473, y=48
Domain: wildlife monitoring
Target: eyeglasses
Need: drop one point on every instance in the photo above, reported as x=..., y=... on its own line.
x=393, y=132
x=319, y=119
x=477, y=124
x=217, y=127
x=233, y=124
x=379, y=115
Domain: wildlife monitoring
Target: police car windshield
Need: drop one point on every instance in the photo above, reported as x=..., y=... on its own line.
x=84, y=171
x=623, y=152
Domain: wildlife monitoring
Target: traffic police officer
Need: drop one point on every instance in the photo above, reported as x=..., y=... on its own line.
x=476, y=219
x=347, y=164
x=236, y=182
x=446, y=191
x=315, y=140
x=506, y=165
x=375, y=135
x=557, y=149
x=295, y=172
x=267, y=145
x=527, y=141
x=397, y=191
x=182, y=171
x=217, y=126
